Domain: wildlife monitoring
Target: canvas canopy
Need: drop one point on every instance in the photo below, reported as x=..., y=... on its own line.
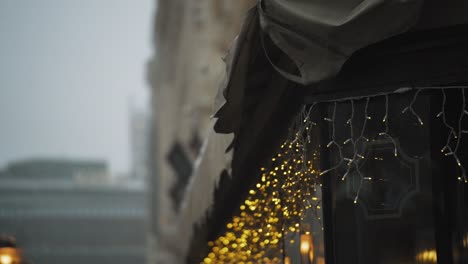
x=319, y=36
x=289, y=50
x=309, y=42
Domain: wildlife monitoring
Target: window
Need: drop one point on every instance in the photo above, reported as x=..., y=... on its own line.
x=411, y=208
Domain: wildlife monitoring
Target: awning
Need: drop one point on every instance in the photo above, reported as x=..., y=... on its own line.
x=309, y=42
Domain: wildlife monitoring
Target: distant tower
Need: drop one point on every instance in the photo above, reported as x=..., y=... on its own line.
x=139, y=142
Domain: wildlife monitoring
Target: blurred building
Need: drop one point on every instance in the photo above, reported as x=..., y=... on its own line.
x=56, y=170
x=63, y=211
x=139, y=141
x=190, y=39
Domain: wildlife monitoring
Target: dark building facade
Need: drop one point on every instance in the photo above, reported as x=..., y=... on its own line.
x=344, y=151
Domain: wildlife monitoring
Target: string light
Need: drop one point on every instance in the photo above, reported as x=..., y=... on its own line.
x=411, y=109
x=275, y=207
x=427, y=256
x=356, y=154
x=333, y=142
x=356, y=144
x=351, y=139
x=459, y=137
x=452, y=134
x=387, y=129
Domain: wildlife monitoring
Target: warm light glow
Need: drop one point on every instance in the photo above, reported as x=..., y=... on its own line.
x=427, y=256
x=9, y=255
x=273, y=208
x=276, y=204
x=6, y=259
x=307, y=248
x=465, y=241
x=287, y=260
x=311, y=255
x=305, y=244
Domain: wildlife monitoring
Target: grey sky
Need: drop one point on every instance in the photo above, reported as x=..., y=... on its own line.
x=67, y=70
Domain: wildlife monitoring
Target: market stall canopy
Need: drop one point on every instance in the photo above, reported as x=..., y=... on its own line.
x=319, y=36
x=309, y=42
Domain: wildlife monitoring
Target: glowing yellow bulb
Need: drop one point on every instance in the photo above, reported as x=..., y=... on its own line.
x=427, y=256
x=305, y=247
x=6, y=259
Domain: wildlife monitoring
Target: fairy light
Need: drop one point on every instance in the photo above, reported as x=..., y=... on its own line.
x=386, y=133
x=411, y=109
x=333, y=142
x=351, y=139
x=276, y=205
x=427, y=256
x=459, y=137
x=355, y=144
x=452, y=134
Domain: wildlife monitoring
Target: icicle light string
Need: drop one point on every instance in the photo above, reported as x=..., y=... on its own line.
x=350, y=140
x=458, y=136
x=452, y=133
x=411, y=109
x=359, y=143
x=304, y=133
x=444, y=121
x=387, y=128
x=352, y=163
x=361, y=140
x=276, y=205
x=333, y=141
x=299, y=167
x=460, y=130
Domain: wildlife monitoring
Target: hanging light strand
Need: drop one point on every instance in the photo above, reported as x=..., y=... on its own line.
x=459, y=137
x=333, y=141
x=446, y=124
x=386, y=133
x=276, y=206
x=350, y=140
x=361, y=140
x=452, y=133
x=411, y=109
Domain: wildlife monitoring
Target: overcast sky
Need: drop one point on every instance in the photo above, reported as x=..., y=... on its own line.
x=68, y=69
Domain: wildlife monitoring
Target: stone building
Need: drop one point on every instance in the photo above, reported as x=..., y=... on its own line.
x=343, y=135
x=190, y=40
